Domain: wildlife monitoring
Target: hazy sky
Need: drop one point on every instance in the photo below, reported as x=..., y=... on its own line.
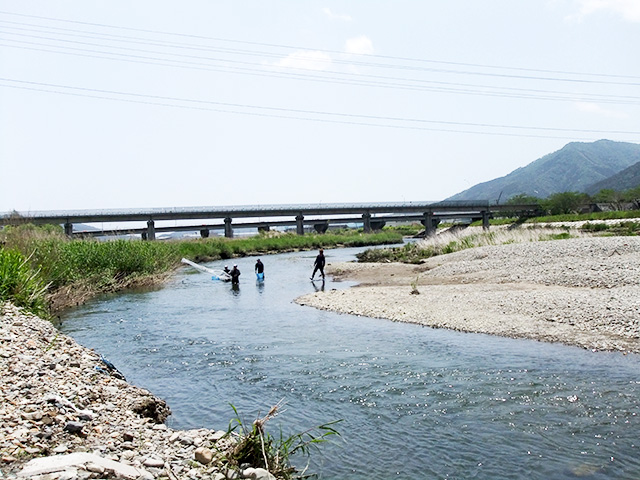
x=155, y=103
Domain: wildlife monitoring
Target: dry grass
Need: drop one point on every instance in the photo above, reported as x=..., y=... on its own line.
x=476, y=237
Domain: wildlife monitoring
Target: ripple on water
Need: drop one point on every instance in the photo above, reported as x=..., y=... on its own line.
x=416, y=402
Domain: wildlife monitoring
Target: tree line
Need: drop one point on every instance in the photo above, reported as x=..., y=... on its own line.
x=575, y=202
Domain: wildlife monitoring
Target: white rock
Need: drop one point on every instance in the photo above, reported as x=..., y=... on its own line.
x=153, y=462
x=262, y=474
x=59, y=463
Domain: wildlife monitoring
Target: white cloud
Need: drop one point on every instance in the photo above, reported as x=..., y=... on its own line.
x=593, y=108
x=336, y=16
x=361, y=45
x=629, y=9
x=307, y=60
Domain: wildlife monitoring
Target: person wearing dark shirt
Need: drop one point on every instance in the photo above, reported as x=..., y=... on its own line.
x=235, y=275
x=259, y=269
x=319, y=264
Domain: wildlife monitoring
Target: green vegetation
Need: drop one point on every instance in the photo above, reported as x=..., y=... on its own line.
x=447, y=242
x=257, y=447
x=41, y=269
x=21, y=284
x=578, y=166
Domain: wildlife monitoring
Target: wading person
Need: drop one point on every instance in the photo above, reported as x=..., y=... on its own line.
x=235, y=275
x=259, y=269
x=318, y=264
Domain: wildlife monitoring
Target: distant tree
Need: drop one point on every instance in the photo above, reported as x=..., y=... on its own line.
x=566, y=202
x=523, y=198
x=610, y=196
x=633, y=196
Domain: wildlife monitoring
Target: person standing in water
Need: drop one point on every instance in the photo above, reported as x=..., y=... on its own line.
x=235, y=275
x=319, y=264
x=259, y=269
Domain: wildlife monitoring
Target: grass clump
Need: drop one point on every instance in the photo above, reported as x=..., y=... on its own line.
x=449, y=242
x=255, y=446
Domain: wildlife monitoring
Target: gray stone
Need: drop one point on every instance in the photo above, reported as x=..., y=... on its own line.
x=232, y=474
x=153, y=462
x=262, y=474
x=94, y=467
x=73, y=427
x=86, y=415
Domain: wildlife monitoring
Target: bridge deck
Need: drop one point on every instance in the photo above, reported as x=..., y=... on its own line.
x=265, y=215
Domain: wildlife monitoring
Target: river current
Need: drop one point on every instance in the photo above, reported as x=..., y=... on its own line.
x=415, y=403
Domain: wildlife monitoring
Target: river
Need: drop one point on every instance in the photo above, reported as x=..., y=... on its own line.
x=415, y=403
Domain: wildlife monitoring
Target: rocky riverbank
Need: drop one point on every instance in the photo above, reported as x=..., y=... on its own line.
x=64, y=414
x=582, y=291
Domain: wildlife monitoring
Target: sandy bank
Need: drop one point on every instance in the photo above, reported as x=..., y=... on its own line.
x=583, y=292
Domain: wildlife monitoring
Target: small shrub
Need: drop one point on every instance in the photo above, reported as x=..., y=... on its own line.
x=260, y=449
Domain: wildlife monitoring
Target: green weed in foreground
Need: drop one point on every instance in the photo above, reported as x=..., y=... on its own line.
x=257, y=447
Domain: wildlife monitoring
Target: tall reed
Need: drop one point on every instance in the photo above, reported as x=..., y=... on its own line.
x=20, y=284
x=67, y=267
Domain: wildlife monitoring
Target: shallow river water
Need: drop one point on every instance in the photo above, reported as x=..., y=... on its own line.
x=415, y=403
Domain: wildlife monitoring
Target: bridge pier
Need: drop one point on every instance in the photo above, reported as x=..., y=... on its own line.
x=366, y=222
x=485, y=219
x=430, y=224
x=151, y=230
x=68, y=229
x=300, y=224
x=321, y=227
x=377, y=224
x=228, y=229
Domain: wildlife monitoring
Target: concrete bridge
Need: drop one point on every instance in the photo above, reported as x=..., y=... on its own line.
x=373, y=216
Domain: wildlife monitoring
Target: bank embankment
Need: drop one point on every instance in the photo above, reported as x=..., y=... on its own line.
x=583, y=291
x=64, y=413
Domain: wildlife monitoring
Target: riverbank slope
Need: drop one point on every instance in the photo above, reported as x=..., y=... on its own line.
x=64, y=414
x=582, y=291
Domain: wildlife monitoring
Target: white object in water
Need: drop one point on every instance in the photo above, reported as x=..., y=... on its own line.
x=215, y=274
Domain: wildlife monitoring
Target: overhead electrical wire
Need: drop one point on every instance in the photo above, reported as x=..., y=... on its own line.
x=290, y=47
x=167, y=57
x=349, y=61
x=352, y=79
x=288, y=113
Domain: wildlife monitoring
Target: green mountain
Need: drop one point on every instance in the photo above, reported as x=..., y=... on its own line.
x=625, y=180
x=574, y=168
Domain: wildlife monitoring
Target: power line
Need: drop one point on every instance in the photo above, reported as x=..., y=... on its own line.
x=386, y=57
x=287, y=113
x=136, y=40
x=443, y=87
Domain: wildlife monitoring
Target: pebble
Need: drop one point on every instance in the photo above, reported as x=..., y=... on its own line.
x=92, y=425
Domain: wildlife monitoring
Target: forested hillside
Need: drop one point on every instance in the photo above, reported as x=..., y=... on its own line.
x=577, y=167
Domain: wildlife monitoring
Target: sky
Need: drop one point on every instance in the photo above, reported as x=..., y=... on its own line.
x=113, y=104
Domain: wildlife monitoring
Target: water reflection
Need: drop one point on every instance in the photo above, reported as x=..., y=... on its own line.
x=416, y=402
